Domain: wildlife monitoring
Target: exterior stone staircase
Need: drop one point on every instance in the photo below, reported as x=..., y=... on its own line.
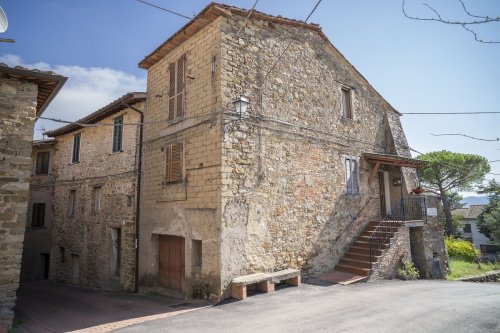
x=358, y=260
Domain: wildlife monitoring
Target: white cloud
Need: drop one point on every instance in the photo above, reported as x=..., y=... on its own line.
x=86, y=90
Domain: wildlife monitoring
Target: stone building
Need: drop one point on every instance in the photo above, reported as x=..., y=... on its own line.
x=37, y=238
x=94, y=203
x=290, y=182
x=24, y=95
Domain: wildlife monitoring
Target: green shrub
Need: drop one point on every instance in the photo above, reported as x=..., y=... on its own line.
x=461, y=249
x=408, y=271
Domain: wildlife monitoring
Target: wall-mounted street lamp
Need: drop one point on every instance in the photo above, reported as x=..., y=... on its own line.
x=241, y=105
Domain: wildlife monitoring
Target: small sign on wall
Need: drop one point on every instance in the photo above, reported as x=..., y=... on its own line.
x=432, y=211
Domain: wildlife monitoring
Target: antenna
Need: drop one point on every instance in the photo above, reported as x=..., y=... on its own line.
x=3, y=21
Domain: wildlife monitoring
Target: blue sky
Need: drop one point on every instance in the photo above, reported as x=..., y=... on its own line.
x=417, y=66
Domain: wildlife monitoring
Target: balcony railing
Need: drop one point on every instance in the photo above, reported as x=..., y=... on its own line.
x=410, y=208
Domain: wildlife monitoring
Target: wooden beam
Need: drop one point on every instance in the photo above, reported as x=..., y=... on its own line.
x=373, y=172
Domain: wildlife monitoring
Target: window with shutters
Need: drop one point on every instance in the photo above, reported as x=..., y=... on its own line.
x=38, y=215
x=76, y=148
x=117, y=134
x=96, y=200
x=174, y=155
x=351, y=167
x=42, y=163
x=176, y=89
x=346, y=103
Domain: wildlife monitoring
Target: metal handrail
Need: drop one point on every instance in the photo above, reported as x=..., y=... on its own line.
x=408, y=208
x=355, y=217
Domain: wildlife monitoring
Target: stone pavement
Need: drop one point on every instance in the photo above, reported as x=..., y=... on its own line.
x=44, y=307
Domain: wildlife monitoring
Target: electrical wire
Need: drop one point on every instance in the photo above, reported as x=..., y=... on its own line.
x=165, y=9
x=290, y=43
x=467, y=136
x=492, y=112
x=452, y=166
x=246, y=18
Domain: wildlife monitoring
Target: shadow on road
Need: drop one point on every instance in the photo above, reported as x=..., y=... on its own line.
x=44, y=307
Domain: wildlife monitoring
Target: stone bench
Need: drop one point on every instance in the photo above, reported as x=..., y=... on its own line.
x=266, y=281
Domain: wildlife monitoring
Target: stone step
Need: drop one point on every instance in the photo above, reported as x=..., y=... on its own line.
x=352, y=269
x=355, y=263
x=361, y=256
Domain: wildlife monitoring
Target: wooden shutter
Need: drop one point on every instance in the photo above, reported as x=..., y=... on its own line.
x=38, y=215
x=171, y=92
x=351, y=168
x=180, y=86
x=42, y=163
x=174, y=162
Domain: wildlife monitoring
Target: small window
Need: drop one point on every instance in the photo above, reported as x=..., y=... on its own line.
x=117, y=134
x=62, y=254
x=174, y=162
x=42, y=163
x=351, y=167
x=177, y=79
x=346, y=103
x=72, y=203
x=467, y=228
x=96, y=200
x=38, y=215
x=76, y=148
x=196, y=253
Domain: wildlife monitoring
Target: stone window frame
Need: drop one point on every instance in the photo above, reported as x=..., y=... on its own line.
x=354, y=191
x=344, y=89
x=38, y=172
x=168, y=151
x=176, y=90
x=75, y=157
x=117, y=141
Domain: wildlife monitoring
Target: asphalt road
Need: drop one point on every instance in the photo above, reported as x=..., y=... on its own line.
x=388, y=306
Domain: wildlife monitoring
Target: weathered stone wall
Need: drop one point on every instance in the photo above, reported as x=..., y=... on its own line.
x=398, y=252
x=284, y=196
x=37, y=241
x=493, y=276
x=434, y=241
x=17, y=117
x=84, y=245
x=190, y=208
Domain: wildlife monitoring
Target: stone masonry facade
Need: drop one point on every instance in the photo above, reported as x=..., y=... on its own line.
x=265, y=191
x=17, y=112
x=37, y=238
x=94, y=204
x=24, y=94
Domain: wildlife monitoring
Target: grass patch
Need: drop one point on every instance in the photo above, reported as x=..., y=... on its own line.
x=460, y=268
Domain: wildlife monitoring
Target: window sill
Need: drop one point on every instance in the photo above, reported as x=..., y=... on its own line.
x=37, y=228
x=175, y=121
x=116, y=152
x=346, y=119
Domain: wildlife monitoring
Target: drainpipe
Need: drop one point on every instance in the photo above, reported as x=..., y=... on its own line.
x=138, y=194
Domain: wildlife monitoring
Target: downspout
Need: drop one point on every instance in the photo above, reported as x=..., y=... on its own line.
x=138, y=194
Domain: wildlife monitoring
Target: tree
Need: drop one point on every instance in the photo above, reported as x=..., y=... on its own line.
x=473, y=20
x=489, y=219
x=454, y=200
x=449, y=172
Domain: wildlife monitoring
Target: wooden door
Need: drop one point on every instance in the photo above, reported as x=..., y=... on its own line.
x=172, y=264
x=381, y=188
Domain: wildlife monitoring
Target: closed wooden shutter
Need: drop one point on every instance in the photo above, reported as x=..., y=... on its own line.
x=42, y=163
x=180, y=86
x=176, y=89
x=174, y=162
x=351, y=167
x=171, y=92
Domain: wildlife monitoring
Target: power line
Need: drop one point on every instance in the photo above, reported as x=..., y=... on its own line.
x=479, y=112
x=467, y=136
x=290, y=43
x=452, y=166
x=164, y=9
x=246, y=18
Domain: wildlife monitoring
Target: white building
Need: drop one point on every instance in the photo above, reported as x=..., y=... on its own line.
x=471, y=229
